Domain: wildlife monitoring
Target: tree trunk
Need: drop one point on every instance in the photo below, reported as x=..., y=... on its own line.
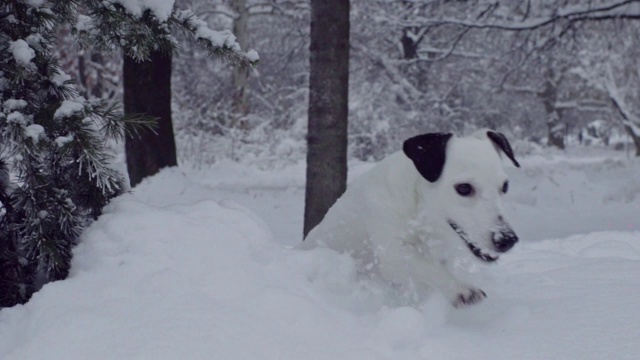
x=549, y=96
x=628, y=125
x=328, y=108
x=635, y=137
x=556, y=130
x=147, y=91
x=97, y=89
x=409, y=45
x=240, y=73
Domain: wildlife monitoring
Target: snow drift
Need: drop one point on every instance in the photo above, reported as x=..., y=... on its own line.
x=171, y=271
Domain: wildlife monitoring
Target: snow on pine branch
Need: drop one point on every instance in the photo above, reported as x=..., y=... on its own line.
x=161, y=9
x=140, y=26
x=70, y=108
x=220, y=43
x=22, y=53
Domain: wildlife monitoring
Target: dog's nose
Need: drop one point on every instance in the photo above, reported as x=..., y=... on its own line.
x=503, y=241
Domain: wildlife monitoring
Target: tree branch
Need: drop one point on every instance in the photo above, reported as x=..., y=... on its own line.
x=599, y=13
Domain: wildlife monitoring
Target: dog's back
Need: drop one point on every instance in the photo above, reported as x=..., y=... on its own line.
x=348, y=225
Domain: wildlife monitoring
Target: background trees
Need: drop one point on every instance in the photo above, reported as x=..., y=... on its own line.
x=529, y=46
x=415, y=66
x=476, y=63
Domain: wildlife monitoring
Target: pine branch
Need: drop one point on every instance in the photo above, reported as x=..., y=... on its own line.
x=220, y=44
x=116, y=125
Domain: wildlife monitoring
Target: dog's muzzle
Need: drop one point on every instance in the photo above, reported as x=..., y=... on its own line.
x=504, y=240
x=475, y=250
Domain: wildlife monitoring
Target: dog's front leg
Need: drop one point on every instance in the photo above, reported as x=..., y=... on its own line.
x=400, y=263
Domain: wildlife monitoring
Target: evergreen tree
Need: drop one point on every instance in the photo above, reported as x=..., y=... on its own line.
x=54, y=166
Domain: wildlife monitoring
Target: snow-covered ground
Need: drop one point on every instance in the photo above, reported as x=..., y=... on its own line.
x=199, y=265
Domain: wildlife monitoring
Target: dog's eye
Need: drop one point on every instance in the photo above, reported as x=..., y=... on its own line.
x=505, y=187
x=464, y=189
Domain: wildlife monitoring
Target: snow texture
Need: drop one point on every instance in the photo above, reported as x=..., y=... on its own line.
x=60, y=78
x=16, y=117
x=253, y=56
x=34, y=131
x=83, y=23
x=69, y=108
x=63, y=140
x=22, y=52
x=36, y=3
x=161, y=9
x=14, y=104
x=218, y=38
x=175, y=271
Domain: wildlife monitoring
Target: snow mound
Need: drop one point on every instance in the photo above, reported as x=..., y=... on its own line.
x=199, y=280
x=171, y=272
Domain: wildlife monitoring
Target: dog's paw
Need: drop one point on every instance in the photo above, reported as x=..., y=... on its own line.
x=468, y=297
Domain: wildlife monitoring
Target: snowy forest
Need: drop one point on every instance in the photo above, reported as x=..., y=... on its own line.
x=162, y=160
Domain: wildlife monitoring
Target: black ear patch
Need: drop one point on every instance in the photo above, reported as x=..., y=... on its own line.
x=501, y=142
x=427, y=152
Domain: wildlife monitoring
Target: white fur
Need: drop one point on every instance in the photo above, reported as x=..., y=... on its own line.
x=389, y=215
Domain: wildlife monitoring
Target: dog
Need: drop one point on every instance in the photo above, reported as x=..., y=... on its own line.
x=439, y=188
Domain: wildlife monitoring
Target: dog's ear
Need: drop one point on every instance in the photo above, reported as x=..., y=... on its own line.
x=427, y=152
x=502, y=143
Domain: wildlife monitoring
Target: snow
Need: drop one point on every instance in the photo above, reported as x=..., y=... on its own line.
x=84, y=23
x=34, y=131
x=14, y=104
x=198, y=265
x=69, y=108
x=224, y=38
x=218, y=38
x=22, y=52
x=16, y=117
x=60, y=78
x=253, y=56
x=35, y=3
x=161, y=9
x=64, y=140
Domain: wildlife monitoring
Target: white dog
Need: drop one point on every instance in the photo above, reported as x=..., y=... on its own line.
x=440, y=187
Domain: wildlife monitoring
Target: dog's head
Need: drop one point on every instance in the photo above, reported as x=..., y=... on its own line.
x=464, y=183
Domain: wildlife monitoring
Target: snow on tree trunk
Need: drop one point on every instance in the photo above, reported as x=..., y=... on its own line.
x=328, y=108
x=147, y=92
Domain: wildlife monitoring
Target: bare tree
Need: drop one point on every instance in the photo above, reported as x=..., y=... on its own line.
x=328, y=108
x=610, y=64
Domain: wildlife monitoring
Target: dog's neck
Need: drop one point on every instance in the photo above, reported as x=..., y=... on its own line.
x=402, y=177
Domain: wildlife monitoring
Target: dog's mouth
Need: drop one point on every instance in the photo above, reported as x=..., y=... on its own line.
x=475, y=250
